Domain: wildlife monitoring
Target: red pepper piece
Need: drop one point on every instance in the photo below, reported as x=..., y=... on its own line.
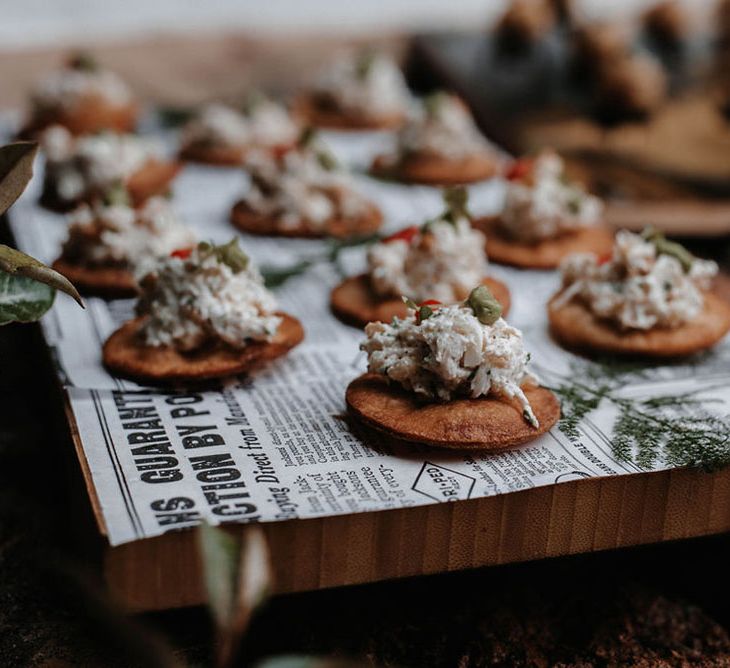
x=182, y=253
x=519, y=169
x=407, y=235
x=603, y=259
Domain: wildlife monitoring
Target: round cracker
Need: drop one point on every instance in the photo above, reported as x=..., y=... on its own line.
x=246, y=220
x=225, y=156
x=545, y=254
x=124, y=355
x=92, y=114
x=487, y=423
x=152, y=179
x=99, y=281
x=432, y=170
x=355, y=303
x=220, y=156
x=576, y=327
x=311, y=113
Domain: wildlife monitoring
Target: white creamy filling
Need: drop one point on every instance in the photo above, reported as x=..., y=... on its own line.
x=189, y=302
x=636, y=288
x=446, y=129
x=267, y=125
x=379, y=91
x=79, y=164
x=297, y=189
x=547, y=206
x=451, y=354
x=68, y=88
x=443, y=262
x=114, y=234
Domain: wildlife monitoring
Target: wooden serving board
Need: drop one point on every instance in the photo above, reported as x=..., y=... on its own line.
x=672, y=171
x=568, y=518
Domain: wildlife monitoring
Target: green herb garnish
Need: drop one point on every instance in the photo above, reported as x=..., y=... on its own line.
x=308, y=140
x=435, y=102
x=365, y=64
x=486, y=308
x=117, y=195
x=230, y=254
x=665, y=247
x=84, y=62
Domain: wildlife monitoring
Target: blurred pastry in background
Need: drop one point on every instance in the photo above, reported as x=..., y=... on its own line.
x=78, y=169
x=222, y=135
x=630, y=88
x=83, y=98
x=439, y=145
x=647, y=297
x=359, y=91
x=722, y=22
x=595, y=47
x=109, y=241
x=436, y=263
x=545, y=217
x=303, y=193
x=524, y=23
x=667, y=24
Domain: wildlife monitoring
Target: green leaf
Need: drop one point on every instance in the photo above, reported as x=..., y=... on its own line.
x=16, y=169
x=237, y=576
x=18, y=264
x=23, y=299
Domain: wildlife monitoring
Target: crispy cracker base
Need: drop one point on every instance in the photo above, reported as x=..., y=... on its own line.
x=223, y=156
x=434, y=170
x=246, y=220
x=106, y=282
x=355, y=303
x=576, y=327
x=466, y=424
x=152, y=179
x=545, y=254
x=306, y=108
x=91, y=115
x=124, y=355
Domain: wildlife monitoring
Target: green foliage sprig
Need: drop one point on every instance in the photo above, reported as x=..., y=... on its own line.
x=677, y=429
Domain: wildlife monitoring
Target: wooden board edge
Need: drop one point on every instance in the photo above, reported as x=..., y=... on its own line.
x=83, y=463
x=164, y=572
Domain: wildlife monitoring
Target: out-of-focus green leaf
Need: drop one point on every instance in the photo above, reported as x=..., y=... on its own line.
x=238, y=577
x=297, y=661
x=23, y=299
x=16, y=169
x=17, y=264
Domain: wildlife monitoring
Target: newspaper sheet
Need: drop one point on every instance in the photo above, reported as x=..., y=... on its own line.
x=277, y=445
